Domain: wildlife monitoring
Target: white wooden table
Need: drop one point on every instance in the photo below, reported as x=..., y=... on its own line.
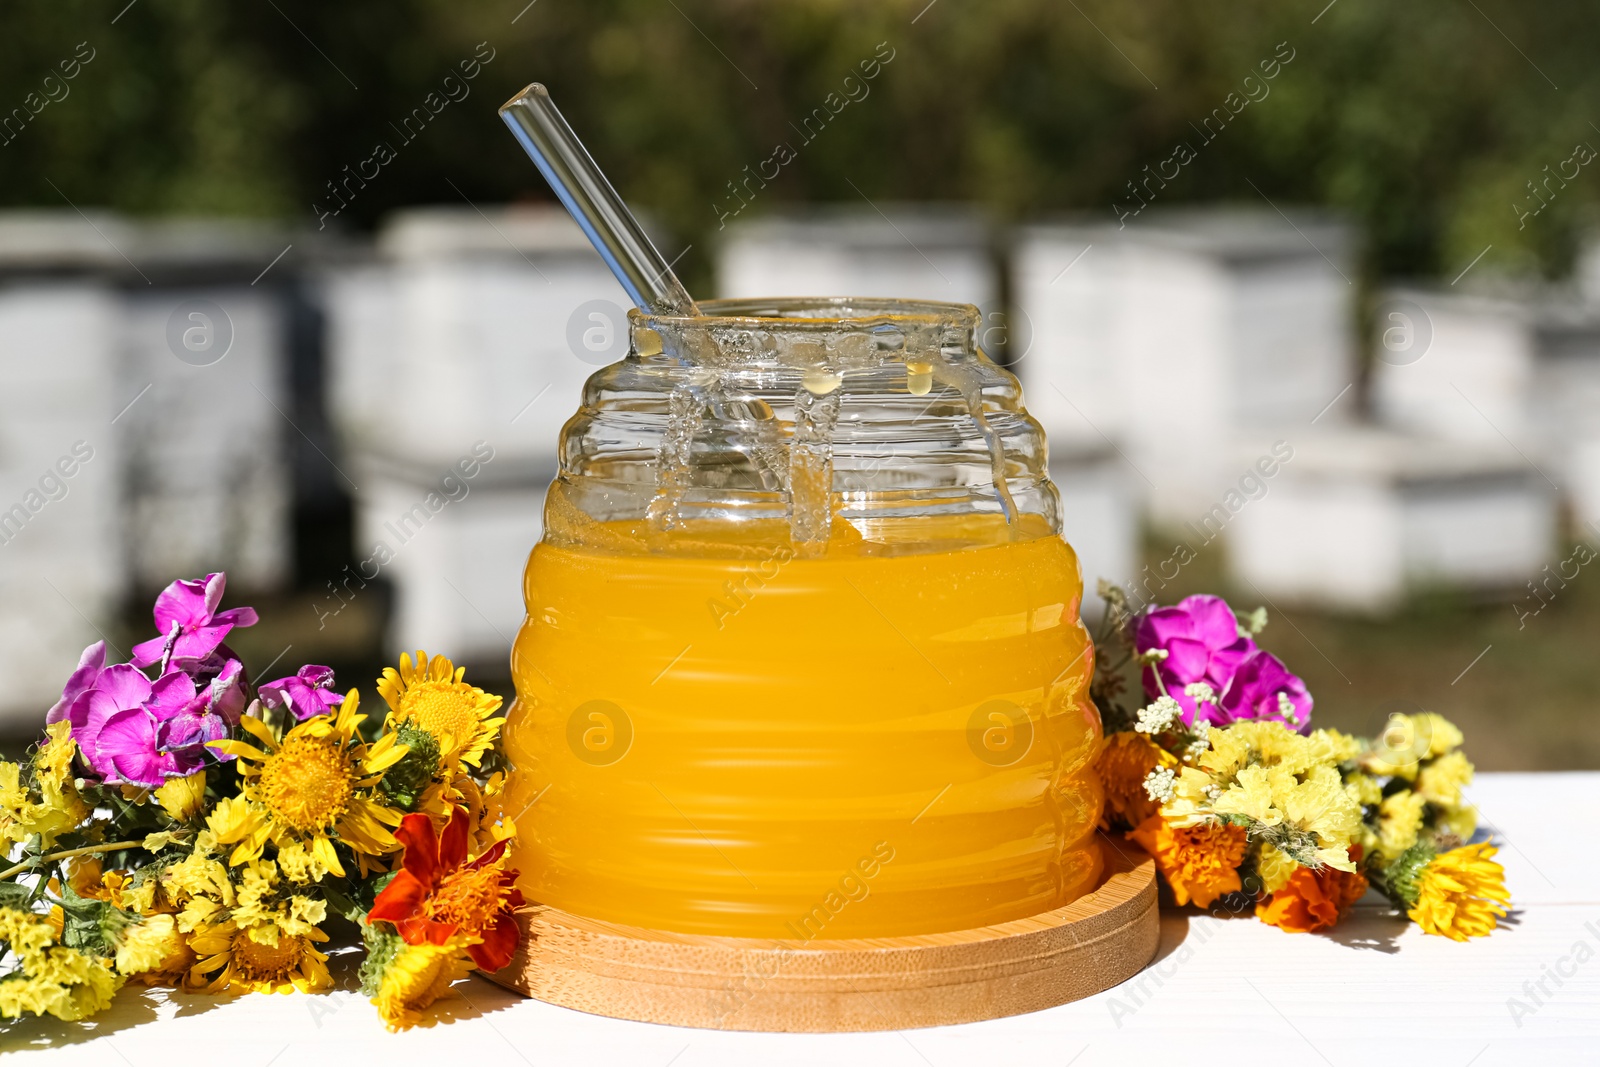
x=1223, y=991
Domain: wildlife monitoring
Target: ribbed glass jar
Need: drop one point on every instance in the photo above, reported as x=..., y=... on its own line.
x=802, y=656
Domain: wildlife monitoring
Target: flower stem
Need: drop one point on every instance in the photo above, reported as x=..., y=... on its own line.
x=67, y=854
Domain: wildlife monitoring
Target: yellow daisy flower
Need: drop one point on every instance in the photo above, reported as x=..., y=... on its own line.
x=1193, y=792
x=1315, y=810
x=1268, y=743
x=417, y=976
x=88, y=880
x=1461, y=893
x=431, y=696
x=53, y=764
x=1331, y=746
x=16, y=807
x=308, y=790
x=258, y=959
x=1407, y=740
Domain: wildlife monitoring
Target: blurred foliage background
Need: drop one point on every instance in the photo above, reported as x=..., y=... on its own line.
x=1425, y=121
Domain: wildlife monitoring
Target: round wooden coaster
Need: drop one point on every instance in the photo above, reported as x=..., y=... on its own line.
x=728, y=983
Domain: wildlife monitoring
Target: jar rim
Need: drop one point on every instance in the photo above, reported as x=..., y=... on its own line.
x=791, y=311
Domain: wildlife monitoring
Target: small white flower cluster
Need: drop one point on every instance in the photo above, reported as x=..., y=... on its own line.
x=1200, y=693
x=1151, y=656
x=1159, y=715
x=1213, y=792
x=1159, y=783
x=1286, y=708
x=1202, y=739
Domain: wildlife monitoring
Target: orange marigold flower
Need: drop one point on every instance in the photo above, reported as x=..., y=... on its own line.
x=1125, y=758
x=1312, y=899
x=1200, y=862
x=437, y=894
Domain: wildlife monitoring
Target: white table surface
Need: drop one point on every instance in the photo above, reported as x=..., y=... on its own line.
x=1223, y=991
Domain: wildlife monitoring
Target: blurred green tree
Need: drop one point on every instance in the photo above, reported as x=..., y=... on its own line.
x=1432, y=123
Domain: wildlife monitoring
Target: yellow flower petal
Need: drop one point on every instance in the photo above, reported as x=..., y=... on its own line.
x=238, y=749
x=1461, y=893
x=260, y=730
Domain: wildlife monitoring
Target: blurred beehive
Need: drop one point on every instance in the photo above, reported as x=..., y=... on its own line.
x=62, y=568
x=451, y=373
x=1187, y=338
x=208, y=480
x=130, y=459
x=920, y=253
x=1361, y=517
x=1520, y=368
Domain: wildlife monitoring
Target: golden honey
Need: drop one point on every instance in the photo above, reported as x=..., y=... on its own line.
x=716, y=733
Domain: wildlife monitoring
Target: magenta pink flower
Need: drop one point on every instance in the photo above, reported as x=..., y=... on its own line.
x=190, y=715
x=83, y=679
x=115, y=727
x=307, y=693
x=191, y=627
x=1201, y=637
x=129, y=729
x=1263, y=688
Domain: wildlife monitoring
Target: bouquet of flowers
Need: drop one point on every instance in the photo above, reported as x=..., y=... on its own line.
x=1211, y=765
x=180, y=826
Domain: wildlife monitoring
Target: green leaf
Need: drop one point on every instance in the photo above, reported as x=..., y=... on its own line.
x=15, y=895
x=92, y=926
x=343, y=903
x=82, y=929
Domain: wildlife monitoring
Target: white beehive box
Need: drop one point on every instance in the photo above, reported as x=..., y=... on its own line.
x=1586, y=265
x=1564, y=390
x=1521, y=368
x=1582, y=475
x=62, y=568
x=914, y=253
x=209, y=485
x=456, y=571
x=1176, y=334
x=1099, y=517
x=1361, y=517
x=1564, y=402
x=461, y=333
x=470, y=330
x=1454, y=366
x=1072, y=368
